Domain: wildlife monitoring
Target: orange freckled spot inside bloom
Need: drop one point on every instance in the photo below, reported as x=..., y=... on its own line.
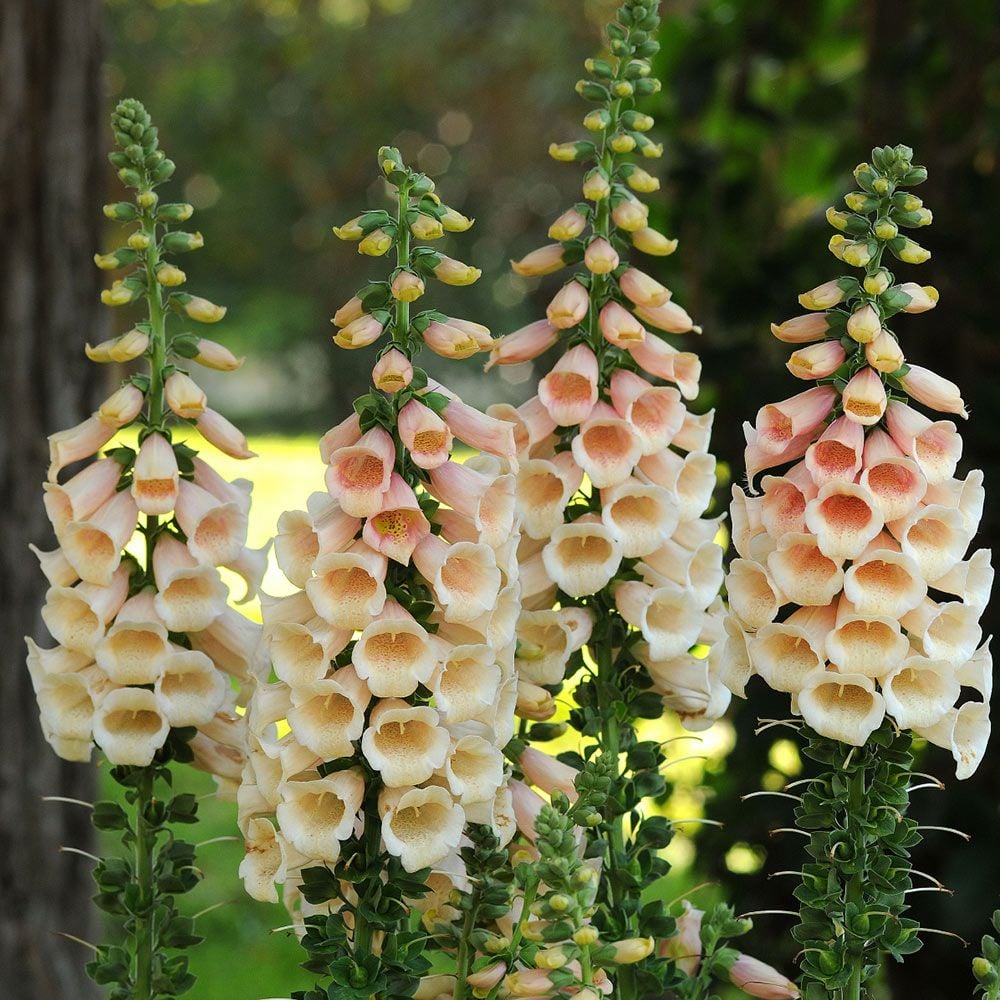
x=394, y=524
x=542, y=489
x=606, y=440
x=834, y=458
x=882, y=576
x=324, y=809
x=570, y=387
x=847, y=511
x=862, y=407
x=155, y=489
x=891, y=480
x=584, y=549
x=362, y=471
x=428, y=442
x=848, y=697
x=635, y=510
x=404, y=739
x=354, y=585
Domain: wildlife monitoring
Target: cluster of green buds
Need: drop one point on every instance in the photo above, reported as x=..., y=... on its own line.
x=986, y=965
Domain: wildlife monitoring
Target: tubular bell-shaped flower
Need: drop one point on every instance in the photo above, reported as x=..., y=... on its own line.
x=866, y=536
x=380, y=742
x=134, y=630
x=613, y=491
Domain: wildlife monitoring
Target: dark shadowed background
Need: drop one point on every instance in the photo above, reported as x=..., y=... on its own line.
x=273, y=110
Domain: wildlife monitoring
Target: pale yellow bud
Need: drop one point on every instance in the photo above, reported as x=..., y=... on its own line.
x=857, y=254
x=170, y=276
x=822, y=296
x=455, y=222
x=426, y=227
x=138, y=240
x=837, y=219
x=349, y=231
x=855, y=201
x=622, y=88
x=652, y=150
x=913, y=253
x=652, y=242
x=864, y=325
x=586, y=936
x=119, y=294
x=595, y=121
x=632, y=950
x=622, y=143
x=564, y=152
x=884, y=353
x=407, y=287
x=837, y=244
x=203, y=311
x=643, y=182
x=125, y=348
x=886, y=229
x=630, y=215
x=454, y=272
x=877, y=283
x=147, y=199
x=568, y=226
x=642, y=123
x=107, y=261
x=551, y=958
x=596, y=186
x=375, y=244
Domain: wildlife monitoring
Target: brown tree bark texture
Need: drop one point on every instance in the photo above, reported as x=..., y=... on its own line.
x=51, y=182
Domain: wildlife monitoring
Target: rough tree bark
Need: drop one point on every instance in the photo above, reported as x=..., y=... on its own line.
x=51, y=180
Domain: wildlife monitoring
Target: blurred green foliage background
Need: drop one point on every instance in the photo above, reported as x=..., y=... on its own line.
x=273, y=110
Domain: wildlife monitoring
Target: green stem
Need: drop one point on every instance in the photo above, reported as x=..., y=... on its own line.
x=856, y=884
x=401, y=326
x=145, y=923
x=465, y=953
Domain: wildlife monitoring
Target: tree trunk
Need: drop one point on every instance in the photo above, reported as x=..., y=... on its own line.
x=51, y=180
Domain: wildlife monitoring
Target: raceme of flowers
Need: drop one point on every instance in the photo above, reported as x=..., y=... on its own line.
x=146, y=643
x=852, y=591
x=615, y=472
x=394, y=657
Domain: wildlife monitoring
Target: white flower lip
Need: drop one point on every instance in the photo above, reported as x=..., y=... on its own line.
x=753, y=595
x=466, y=683
x=582, y=557
x=406, y=744
x=135, y=648
x=318, y=814
x=641, y=516
x=423, y=826
x=348, y=588
x=843, y=707
x=216, y=530
x=393, y=654
x=190, y=595
x=189, y=687
x=130, y=726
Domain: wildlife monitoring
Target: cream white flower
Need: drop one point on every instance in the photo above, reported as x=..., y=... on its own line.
x=422, y=826
x=843, y=707
x=582, y=557
x=394, y=654
x=130, y=725
x=318, y=814
x=406, y=744
x=190, y=595
x=189, y=687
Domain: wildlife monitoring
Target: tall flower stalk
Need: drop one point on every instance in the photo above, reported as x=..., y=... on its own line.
x=620, y=571
x=851, y=592
x=146, y=644
x=375, y=781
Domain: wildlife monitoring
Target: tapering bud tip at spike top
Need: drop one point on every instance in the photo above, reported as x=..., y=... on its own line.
x=869, y=521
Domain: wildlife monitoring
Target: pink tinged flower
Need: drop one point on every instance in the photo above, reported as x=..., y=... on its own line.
x=884, y=353
x=184, y=396
x=351, y=310
x=865, y=644
x=155, y=476
x=864, y=398
x=695, y=433
x=76, y=443
x=844, y=517
x=669, y=317
x=189, y=688
x=600, y=256
x=348, y=588
x=547, y=773
x=691, y=479
x=94, y=547
x=753, y=594
x=837, y=455
x=216, y=530
x=685, y=946
x=392, y=372
x=544, y=260
x=656, y=413
x=802, y=329
x=895, y=481
x=190, y=595
x=659, y=359
x=697, y=571
x=934, y=391
x=569, y=391
x=607, y=448
x=817, y=360
x=936, y=447
x=619, y=326
x=756, y=458
x=803, y=574
x=478, y=430
x=485, y=979
x=343, y=435
x=641, y=516
x=135, y=647
x=481, y=334
x=569, y=306
x=971, y=581
x=527, y=805
x=225, y=436
x=425, y=435
x=582, y=557
x=843, y=707
x=537, y=421
x=56, y=567
x=756, y=979
x=122, y=406
x=934, y=537
x=785, y=654
x=394, y=654
x=233, y=643
x=488, y=500
x=76, y=617
x=359, y=474
x=464, y=576
x=631, y=215
x=667, y=617
x=778, y=424
x=884, y=582
x=360, y=332
x=407, y=286
x=921, y=298
x=864, y=325
x=967, y=495
x=399, y=526
x=642, y=290
x=238, y=491
x=81, y=495
x=568, y=226
x=823, y=296
x=523, y=345
x=449, y=341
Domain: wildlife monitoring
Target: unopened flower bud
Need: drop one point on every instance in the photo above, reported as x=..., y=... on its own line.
x=376, y=244
x=622, y=142
x=120, y=350
x=756, y=979
x=392, y=371
x=822, y=296
x=568, y=226
x=170, y=276
x=361, y=332
x=586, y=936
x=641, y=181
x=200, y=309
x=114, y=260
x=406, y=287
x=921, y=298
x=885, y=229
x=174, y=212
x=455, y=222
x=884, y=353
x=912, y=253
x=120, y=294
x=179, y=242
x=653, y=243
x=857, y=254
x=350, y=231
x=560, y=903
x=121, y=211
x=630, y=215
x=877, y=282
x=632, y=950
x=209, y=354
x=147, y=199
x=138, y=240
x=839, y=220
x=597, y=121
x=454, y=272
x=122, y=406
x=864, y=325
x=544, y=260
x=184, y=396
x=426, y=227
x=596, y=186
x=568, y=152
x=600, y=256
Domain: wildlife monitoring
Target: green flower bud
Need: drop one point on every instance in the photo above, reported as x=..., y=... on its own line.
x=597, y=121
x=181, y=242
x=591, y=91
x=174, y=212
x=623, y=88
x=116, y=259
x=885, y=229
x=129, y=177
x=121, y=211
x=147, y=199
